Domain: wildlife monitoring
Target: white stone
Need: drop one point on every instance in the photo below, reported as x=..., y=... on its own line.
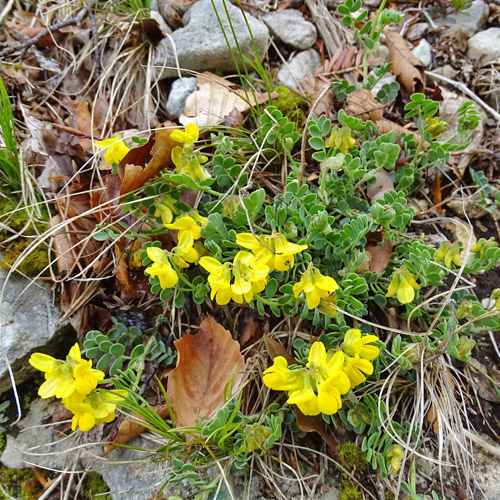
x=485, y=45
x=29, y=323
x=423, y=52
x=36, y=444
x=201, y=46
x=181, y=89
x=290, y=27
x=470, y=20
x=304, y=63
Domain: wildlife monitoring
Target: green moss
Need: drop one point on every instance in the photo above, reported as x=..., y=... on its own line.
x=292, y=105
x=353, y=456
x=20, y=221
x=94, y=485
x=20, y=483
x=389, y=495
x=32, y=265
x=351, y=492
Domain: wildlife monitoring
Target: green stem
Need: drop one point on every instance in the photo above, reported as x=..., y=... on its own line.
x=267, y=301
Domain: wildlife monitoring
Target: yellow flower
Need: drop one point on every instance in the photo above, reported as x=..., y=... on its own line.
x=184, y=251
x=340, y=139
x=250, y=276
x=323, y=383
x=64, y=378
x=327, y=306
x=448, y=252
x=403, y=285
x=187, y=224
x=188, y=136
x=279, y=251
x=354, y=344
x=164, y=208
x=315, y=286
x=134, y=256
x=116, y=149
x=95, y=408
x=436, y=126
x=355, y=367
x=219, y=279
x=161, y=267
x=395, y=455
x=280, y=378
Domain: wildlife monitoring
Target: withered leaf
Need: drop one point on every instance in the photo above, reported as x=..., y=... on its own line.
x=363, y=105
x=380, y=255
x=215, y=98
x=206, y=362
x=157, y=153
x=405, y=66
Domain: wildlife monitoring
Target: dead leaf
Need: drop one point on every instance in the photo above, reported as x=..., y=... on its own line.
x=383, y=185
x=380, y=255
x=129, y=429
x=274, y=348
x=363, y=105
x=132, y=283
x=215, y=98
x=157, y=152
x=405, y=66
x=385, y=126
x=206, y=362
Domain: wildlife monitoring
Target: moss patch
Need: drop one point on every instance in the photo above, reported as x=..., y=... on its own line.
x=20, y=483
x=20, y=221
x=353, y=455
x=293, y=106
x=350, y=492
x=94, y=485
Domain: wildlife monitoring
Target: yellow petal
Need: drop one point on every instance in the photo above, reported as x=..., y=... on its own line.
x=42, y=362
x=213, y=266
x=317, y=354
x=405, y=293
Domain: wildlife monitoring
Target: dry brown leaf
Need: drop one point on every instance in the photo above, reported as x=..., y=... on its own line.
x=206, y=362
x=383, y=185
x=129, y=429
x=380, y=256
x=157, y=153
x=385, y=126
x=274, y=348
x=405, y=66
x=363, y=105
x=215, y=98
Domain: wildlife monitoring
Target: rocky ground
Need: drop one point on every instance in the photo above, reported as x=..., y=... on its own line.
x=460, y=50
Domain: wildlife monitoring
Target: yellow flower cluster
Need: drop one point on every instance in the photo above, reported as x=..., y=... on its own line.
x=186, y=160
x=188, y=229
x=448, y=253
x=74, y=381
x=318, y=387
x=403, y=285
x=340, y=139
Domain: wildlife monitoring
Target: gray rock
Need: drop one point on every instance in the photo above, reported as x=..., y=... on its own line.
x=201, y=45
x=423, y=52
x=130, y=475
x=387, y=78
x=29, y=324
x=290, y=27
x=304, y=63
x=180, y=91
x=36, y=444
x=470, y=20
x=484, y=45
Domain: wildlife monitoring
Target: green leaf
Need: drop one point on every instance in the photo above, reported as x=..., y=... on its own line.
x=93, y=352
x=271, y=288
x=105, y=346
x=116, y=366
x=103, y=363
x=137, y=351
x=117, y=350
x=180, y=299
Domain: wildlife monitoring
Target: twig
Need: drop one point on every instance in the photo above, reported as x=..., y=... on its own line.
x=54, y=27
x=6, y=9
x=466, y=90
